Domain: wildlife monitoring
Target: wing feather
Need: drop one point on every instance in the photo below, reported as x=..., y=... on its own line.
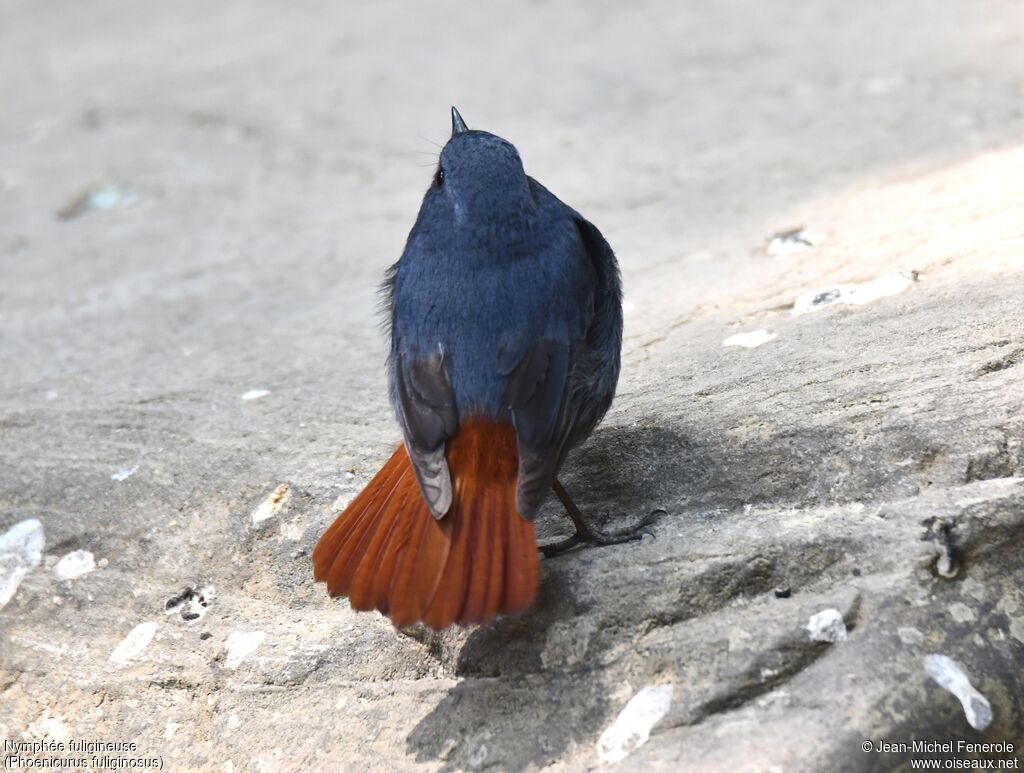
x=427, y=413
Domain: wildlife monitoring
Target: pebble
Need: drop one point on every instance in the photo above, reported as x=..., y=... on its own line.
x=74, y=565
x=134, y=643
x=21, y=550
x=750, y=340
x=272, y=505
x=827, y=626
x=854, y=294
x=239, y=645
x=948, y=674
x=793, y=240
x=632, y=727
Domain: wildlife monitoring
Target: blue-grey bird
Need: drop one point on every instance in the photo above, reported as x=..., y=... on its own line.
x=506, y=330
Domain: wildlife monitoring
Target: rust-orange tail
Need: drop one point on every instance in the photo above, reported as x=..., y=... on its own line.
x=387, y=552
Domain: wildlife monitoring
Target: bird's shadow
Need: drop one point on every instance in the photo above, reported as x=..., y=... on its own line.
x=518, y=705
x=625, y=472
x=508, y=711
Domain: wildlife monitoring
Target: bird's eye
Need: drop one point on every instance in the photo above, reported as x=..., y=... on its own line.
x=439, y=177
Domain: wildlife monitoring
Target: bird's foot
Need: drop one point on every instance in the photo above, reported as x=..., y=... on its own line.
x=587, y=535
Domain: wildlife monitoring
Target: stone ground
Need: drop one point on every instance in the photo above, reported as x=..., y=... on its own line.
x=199, y=200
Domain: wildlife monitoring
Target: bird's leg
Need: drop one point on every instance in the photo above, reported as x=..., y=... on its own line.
x=586, y=534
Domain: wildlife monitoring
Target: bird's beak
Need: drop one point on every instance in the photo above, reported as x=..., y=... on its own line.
x=458, y=125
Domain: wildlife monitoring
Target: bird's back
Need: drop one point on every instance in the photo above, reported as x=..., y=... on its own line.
x=488, y=299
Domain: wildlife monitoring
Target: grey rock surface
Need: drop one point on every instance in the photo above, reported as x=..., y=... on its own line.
x=197, y=202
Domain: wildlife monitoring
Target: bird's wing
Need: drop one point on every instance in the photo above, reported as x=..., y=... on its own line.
x=551, y=385
x=427, y=414
x=536, y=395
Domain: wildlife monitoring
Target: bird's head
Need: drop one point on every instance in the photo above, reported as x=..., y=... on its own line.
x=480, y=176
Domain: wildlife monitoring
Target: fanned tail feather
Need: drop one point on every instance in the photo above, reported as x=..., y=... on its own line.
x=387, y=552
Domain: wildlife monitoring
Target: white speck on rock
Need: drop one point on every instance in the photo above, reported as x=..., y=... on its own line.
x=793, y=241
x=632, y=727
x=47, y=727
x=21, y=550
x=134, y=643
x=272, y=505
x=293, y=531
x=827, y=625
x=750, y=340
x=124, y=474
x=255, y=394
x=854, y=294
x=74, y=565
x=241, y=644
x=99, y=197
x=948, y=674
x=910, y=635
x=962, y=613
x=1017, y=628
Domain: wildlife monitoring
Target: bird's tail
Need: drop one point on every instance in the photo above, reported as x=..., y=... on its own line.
x=387, y=552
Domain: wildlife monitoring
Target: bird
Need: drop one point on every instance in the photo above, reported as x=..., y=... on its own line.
x=505, y=319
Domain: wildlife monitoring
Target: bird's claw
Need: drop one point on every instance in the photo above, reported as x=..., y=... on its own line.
x=593, y=536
